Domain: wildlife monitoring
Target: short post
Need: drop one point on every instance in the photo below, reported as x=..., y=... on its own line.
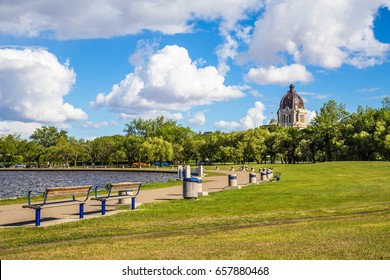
x=133, y=203
x=180, y=172
x=200, y=188
x=187, y=171
x=200, y=171
x=267, y=174
x=124, y=200
x=217, y=167
x=252, y=178
x=252, y=169
x=232, y=168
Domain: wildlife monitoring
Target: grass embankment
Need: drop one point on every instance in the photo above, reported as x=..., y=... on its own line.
x=321, y=211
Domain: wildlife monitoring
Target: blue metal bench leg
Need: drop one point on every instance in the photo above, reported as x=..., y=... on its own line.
x=81, y=213
x=37, y=217
x=103, y=207
x=133, y=203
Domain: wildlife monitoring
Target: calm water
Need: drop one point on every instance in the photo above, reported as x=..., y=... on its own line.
x=18, y=183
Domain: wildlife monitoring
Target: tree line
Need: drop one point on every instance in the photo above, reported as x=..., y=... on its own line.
x=333, y=135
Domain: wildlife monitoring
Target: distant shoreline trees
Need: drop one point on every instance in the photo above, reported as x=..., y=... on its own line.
x=334, y=135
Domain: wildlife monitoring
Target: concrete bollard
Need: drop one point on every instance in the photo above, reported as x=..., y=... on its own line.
x=232, y=168
x=267, y=174
x=271, y=174
x=180, y=172
x=190, y=188
x=217, y=167
x=200, y=188
x=187, y=171
x=252, y=169
x=232, y=182
x=252, y=178
x=200, y=171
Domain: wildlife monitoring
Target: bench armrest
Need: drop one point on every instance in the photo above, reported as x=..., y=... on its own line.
x=36, y=193
x=86, y=197
x=97, y=188
x=138, y=190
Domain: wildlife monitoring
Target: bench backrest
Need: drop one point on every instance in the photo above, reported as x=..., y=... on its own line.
x=125, y=186
x=73, y=190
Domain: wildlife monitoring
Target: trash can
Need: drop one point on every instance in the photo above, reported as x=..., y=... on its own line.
x=252, y=178
x=232, y=180
x=263, y=175
x=190, y=188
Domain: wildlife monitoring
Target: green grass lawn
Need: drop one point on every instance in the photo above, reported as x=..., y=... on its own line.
x=335, y=210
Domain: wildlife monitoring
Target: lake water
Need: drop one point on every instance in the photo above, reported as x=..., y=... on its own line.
x=18, y=183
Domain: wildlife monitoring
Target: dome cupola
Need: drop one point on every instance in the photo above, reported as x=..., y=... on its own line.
x=291, y=100
x=292, y=111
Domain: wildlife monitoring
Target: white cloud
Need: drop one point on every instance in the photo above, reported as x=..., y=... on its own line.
x=282, y=76
x=105, y=18
x=314, y=95
x=254, y=118
x=198, y=119
x=97, y=125
x=311, y=115
x=322, y=33
x=225, y=125
x=152, y=114
x=14, y=127
x=32, y=86
x=168, y=81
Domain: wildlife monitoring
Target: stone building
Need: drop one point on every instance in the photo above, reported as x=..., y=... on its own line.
x=292, y=111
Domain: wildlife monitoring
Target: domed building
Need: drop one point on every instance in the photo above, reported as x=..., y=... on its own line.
x=292, y=111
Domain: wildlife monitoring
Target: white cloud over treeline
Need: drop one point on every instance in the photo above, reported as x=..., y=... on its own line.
x=168, y=81
x=32, y=86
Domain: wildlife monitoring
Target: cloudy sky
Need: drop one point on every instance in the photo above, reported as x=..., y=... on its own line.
x=90, y=67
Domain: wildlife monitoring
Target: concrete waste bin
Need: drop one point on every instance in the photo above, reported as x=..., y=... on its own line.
x=190, y=188
x=263, y=175
x=252, y=178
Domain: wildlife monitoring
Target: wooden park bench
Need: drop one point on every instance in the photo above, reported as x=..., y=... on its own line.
x=66, y=197
x=119, y=191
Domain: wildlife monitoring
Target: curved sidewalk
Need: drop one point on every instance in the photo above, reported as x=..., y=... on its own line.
x=15, y=215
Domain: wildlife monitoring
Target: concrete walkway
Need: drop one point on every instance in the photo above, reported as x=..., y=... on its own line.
x=15, y=215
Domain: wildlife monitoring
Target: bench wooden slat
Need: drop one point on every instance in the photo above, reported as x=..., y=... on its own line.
x=53, y=204
x=68, y=190
x=125, y=186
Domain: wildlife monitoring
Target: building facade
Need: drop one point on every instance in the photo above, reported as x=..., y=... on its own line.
x=292, y=111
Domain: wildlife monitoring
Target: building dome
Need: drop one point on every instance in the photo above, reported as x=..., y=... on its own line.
x=291, y=100
x=292, y=111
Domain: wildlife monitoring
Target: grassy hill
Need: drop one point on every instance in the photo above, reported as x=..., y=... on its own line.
x=337, y=210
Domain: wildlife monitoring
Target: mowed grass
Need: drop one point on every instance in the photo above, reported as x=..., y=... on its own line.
x=335, y=210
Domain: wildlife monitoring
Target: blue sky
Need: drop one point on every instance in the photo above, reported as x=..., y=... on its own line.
x=90, y=68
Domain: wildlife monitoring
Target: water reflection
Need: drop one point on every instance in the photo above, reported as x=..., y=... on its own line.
x=18, y=183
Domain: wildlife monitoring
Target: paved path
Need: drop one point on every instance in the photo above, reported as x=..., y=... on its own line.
x=15, y=215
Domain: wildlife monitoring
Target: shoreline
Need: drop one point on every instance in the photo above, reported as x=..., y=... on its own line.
x=116, y=169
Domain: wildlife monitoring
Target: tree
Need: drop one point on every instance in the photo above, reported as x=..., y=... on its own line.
x=47, y=136
x=132, y=147
x=326, y=129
